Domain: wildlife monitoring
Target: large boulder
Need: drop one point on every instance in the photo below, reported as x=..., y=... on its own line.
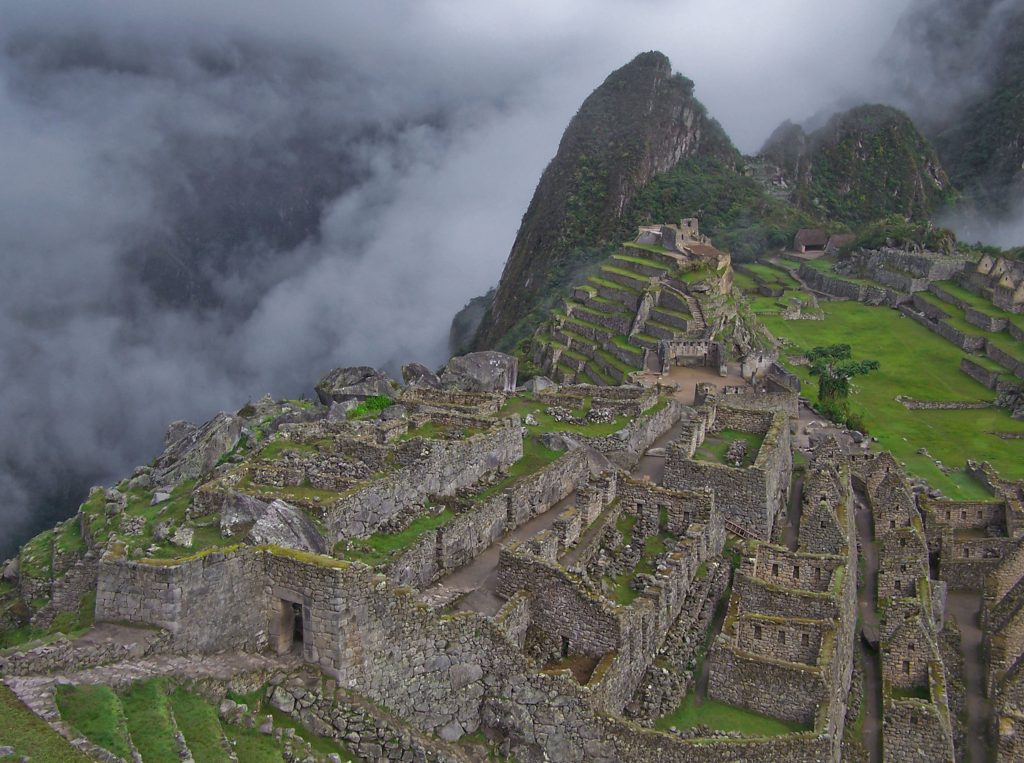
x=197, y=450
x=538, y=384
x=281, y=524
x=487, y=371
x=418, y=375
x=240, y=511
x=354, y=383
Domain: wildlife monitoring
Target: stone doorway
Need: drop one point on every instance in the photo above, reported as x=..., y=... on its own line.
x=288, y=625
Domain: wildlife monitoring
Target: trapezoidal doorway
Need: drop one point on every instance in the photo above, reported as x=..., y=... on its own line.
x=289, y=620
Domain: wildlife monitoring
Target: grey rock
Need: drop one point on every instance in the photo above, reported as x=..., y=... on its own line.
x=159, y=497
x=487, y=371
x=530, y=420
x=10, y=573
x=339, y=411
x=538, y=384
x=115, y=496
x=6, y=751
x=282, y=699
x=281, y=524
x=451, y=732
x=141, y=482
x=197, y=453
x=240, y=510
x=227, y=707
x=267, y=726
x=162, y=530
x=418, y=375
x=464, y=674
x=393, y=412
x=183, y=536
x=354, y=383
x=178, y=430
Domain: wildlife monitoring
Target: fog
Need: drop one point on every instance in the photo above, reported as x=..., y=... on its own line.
x=202, y=203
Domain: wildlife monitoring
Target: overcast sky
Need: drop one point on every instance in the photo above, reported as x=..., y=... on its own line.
x=130, y=132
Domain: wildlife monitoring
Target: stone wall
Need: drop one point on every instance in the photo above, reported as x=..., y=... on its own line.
x=625, y=447
x=781, y=638
x=916, y=731
x=979, y=373
x=444, y=467
x=751, y=497
x=966, y=342
x=458, y=542
x=795, y=694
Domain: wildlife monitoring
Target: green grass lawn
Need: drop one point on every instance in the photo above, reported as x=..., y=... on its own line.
x=30, y=735
x=722, y=717
x=382, y=547
x=147, y=708
x=716, y=445
x=95, y=712
x=980, y=303
x=919, y=364
x=197, y=720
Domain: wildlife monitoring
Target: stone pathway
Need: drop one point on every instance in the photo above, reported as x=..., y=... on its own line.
x=37, y=691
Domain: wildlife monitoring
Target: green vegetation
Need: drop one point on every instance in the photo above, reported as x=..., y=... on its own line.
x=921, y=365
x=716, y=445
x=30, y=736
x=835, y=368
x=383, y=547
x=535, y=457
x=371, y=406
x=722, y=717
x=525, y=404
x=197, y=720
x=147, y=710
x=95, y=712
x=736, y=212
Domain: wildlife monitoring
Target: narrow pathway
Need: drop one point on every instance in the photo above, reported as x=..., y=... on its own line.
x=791, y=532
x=965, y=606
x=700, y=691
x=867, y=608
x=477, y=581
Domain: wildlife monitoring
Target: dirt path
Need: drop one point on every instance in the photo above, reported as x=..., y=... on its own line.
x=965, y=606
x=867, y=608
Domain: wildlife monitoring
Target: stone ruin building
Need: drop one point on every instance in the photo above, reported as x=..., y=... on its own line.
x=459, y=567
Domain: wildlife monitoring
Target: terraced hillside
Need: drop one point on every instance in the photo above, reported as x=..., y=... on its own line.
x=951, y=361
x=646, y=295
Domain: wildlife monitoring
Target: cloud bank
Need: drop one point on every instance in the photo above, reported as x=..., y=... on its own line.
x=205, y=202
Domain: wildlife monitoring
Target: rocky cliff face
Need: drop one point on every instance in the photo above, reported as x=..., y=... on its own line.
x=640, y=122
x=957, y=66
x=865, y=164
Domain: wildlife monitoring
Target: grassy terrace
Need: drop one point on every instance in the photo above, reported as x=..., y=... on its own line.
x=717, y=445
x=147, y=713
x=381, y=548
x=642, y=261
x=922, y=365
x=722, y=717
x=621, y=590
x=979, y=303
x=956, y=319
x=645, y=247
x=30, y=735
x=769, y=274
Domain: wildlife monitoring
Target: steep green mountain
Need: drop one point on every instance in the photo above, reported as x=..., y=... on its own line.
x=865, y=164
x=983, y=147
x=640, y=122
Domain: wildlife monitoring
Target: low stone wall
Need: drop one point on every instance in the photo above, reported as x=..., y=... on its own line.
x=979, y=373
x=915, y=731
x=625, y=447
x=1007, y=361
x=740, y=680
x=941, y=405
x=446, y=466
x=842, y=289
x=64, y=655
x=968, y=343
x=458, y=542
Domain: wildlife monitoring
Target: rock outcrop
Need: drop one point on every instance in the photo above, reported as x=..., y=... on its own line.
x=196, y=450
x=281, y=524
x=640, y=122
x=481, y=372
x=865, y=164
x=354, y=383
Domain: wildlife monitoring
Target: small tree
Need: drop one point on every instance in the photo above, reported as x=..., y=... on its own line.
x=834, y=367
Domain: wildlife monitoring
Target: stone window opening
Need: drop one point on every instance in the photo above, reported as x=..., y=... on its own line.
x=949, y=514
x=775, y=570
x=903, y=542
x=906, y=667
x=782, y=637
x=963, y=514
x=757, y=632
x=979, y=513
x=903, y=568
x=823, y=524
x=892, y=523
x=796, y=571
x=898, y=586
x=805, y=639
x=910, y=647
x=565, y=646
x=817, y=573
x=967, y=553
x=290, y=625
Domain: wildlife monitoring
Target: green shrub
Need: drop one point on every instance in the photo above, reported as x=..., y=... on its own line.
x=371, y=405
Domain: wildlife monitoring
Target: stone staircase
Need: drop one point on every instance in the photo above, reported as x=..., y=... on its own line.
x=634, y=301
